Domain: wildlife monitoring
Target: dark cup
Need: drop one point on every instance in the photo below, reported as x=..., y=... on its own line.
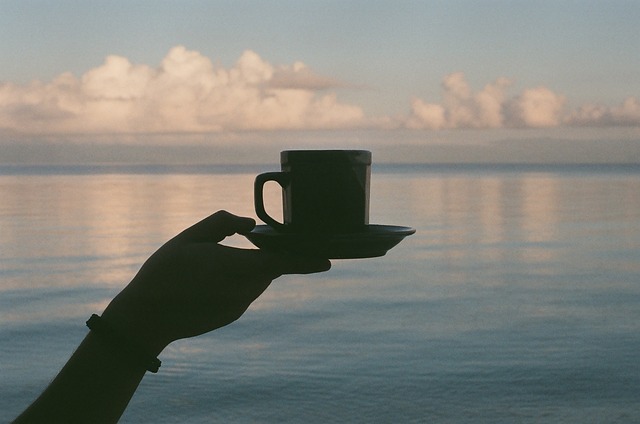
x=324, y=191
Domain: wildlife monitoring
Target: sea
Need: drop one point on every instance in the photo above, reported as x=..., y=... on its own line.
x=517, y=300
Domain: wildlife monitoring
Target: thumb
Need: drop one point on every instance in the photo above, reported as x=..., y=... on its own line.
x=216, y=227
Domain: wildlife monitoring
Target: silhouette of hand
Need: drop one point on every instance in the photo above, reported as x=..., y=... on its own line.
x=193, y=285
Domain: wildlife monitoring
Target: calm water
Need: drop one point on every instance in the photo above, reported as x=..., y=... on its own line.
x=517, y=301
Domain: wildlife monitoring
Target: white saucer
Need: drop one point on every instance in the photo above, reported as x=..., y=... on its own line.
x=373, y=241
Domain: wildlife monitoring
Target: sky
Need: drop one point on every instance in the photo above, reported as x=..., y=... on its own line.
x=202, y=81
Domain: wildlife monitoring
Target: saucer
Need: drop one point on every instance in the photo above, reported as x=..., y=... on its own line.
x=373, y=241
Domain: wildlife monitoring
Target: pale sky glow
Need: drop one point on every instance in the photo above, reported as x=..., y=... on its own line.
x=70, y=70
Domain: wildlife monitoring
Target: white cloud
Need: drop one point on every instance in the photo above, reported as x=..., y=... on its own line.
x=488, y=108
x=461, y=107
x=299, y=76
x=464, y=109
x=427, y=116
x=186, y=93
x=537, y=107
x=625, y=114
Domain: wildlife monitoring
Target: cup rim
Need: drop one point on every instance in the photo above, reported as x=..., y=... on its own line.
x=351, y=156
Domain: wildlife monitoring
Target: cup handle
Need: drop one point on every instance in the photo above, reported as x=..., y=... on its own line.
x=281, y=178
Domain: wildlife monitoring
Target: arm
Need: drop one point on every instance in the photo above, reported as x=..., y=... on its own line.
x=190, y=286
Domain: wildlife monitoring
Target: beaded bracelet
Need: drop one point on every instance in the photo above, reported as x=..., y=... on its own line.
x=102, y=329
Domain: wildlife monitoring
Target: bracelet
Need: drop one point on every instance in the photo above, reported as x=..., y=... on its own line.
x=101, y=328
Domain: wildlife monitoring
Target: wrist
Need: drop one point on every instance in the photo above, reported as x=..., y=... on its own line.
x=122, y=345
x=137, y=325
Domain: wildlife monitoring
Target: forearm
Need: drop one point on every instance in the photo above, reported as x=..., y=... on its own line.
x=95, y=386
x=190, y=286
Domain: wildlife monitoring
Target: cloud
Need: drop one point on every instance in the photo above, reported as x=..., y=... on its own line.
x=461, y=108
x=186, y=93
x=625, y=114
x=535, y=108
x=299, y=76
x=491, y=107
x=488, y=108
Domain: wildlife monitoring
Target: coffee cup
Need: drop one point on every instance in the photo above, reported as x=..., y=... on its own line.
x=323, y=191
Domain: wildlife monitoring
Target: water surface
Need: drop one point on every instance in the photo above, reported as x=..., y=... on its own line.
x=517, y=300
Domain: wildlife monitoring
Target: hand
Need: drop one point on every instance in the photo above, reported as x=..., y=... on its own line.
x=193, y=285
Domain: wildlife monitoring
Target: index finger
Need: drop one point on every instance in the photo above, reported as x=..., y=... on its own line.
x=217, y=227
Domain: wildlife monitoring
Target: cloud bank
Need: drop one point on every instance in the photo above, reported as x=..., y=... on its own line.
x=461, y=108
x=187, y=93
x=491, y=107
